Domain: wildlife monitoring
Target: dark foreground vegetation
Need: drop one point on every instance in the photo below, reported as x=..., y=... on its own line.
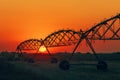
x=10, y=70
x=38, y=67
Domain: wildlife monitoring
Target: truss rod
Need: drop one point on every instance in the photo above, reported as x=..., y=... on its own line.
x=91, y=47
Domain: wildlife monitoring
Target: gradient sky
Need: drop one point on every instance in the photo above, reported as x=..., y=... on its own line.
x=24, y=19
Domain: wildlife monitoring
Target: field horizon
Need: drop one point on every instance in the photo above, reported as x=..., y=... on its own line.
x=82, y=67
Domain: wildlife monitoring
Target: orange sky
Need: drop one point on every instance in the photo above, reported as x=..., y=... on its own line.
x=24, y=19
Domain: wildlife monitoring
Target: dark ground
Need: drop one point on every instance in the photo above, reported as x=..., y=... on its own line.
x=42, y=69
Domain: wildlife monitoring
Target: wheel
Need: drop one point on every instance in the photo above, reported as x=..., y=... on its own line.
x=54, y=60
x=30, y=60
x=102, y=65
x=64, y=65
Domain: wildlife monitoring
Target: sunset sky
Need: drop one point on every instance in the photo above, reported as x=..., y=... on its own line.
x=24, y=19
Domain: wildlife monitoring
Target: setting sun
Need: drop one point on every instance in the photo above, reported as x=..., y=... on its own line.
x=42, y=49
x=26, y=19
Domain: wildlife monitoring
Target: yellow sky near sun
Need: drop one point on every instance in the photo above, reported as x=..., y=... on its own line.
x=25, y=19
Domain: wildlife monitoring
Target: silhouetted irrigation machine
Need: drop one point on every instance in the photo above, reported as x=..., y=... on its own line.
x=108, y=29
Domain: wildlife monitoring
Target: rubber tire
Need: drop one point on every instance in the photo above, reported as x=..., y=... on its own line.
x=102, y=65
x=64, y=65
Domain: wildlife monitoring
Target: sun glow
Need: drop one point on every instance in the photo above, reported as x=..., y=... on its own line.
x=42, y=49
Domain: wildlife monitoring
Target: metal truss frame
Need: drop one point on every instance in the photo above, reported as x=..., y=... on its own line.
x=108, y=29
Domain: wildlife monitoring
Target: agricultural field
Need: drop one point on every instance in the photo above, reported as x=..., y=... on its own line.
x=83, y=67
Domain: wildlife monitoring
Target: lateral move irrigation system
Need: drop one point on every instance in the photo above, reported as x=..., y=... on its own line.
x=108, y=29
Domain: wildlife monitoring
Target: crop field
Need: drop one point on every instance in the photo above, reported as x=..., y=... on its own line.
x=80, y=69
